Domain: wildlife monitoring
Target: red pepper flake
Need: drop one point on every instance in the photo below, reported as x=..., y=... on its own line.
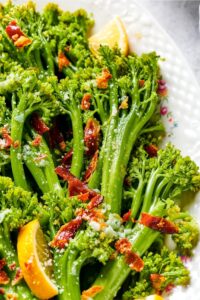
x=92, y=136
x=84, y=197
x=151, y=149
x=2, y=263
x=67, y=159
x=75, y=185
x=10, y=296
x=38, y=124
x=126, y=216
x=66, y=232
x=28, y=264
x=162, y=88
x=91, y=292
x=12, y=266
x=18, y=277
x=37, y=141
x=13, y=29
x=85, y=102
x=163, y=110
x=2, y=291
x=22, y=41
x=157, y=280
x=63, y=61
x=123, y=246
x=134, y=261
x=141, y=82
x=102, y=80
x=4, y=279
x=158, y=223
x=92, y=166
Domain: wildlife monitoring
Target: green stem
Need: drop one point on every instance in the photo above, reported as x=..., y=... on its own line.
x=17, y=124
x=78, y=142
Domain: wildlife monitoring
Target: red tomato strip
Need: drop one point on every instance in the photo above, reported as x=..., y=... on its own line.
x=67, y=158
x=75, y=185
x=126, y=216
x=66, y=232
x=18, y=277
x=102, y=80
x=38, y=124
x=4, y=279
x=63, y=61
x=91, y=136
x=92, y=166
x=85, y=102
x=13, y=29
x=2, y=263
x=123, y=246
x=91, y=292
x=152, y=150
x=158, y=223
x=157, y=281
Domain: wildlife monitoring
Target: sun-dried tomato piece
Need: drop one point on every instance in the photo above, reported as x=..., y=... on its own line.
x=162, y=88
x=4, y=279
x=102, y=80
x=13, y=29
x=95, y=201
x=66, y=232
x=7, y=141
x=18, y=277
x=158, y=223
x=126, y=216
x=91, y=292
x=12, y=266
x=169, y=288
x=38, y=124
x=92, y=136
x=75, y=185
x=56, y=137
x=22, y=41
x=123, y=246
x=85, y=102
x=37, y=141
x=151, y=149
x=2, y=263
x=157, y=280
x=63, y=61
x=67, y=158
x=2, y=291
x=134, y=261
x=141, y=82
x=84, y=197
x=92, y=167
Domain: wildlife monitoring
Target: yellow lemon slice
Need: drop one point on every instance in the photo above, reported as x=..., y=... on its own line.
x=152, y=297
x=35, y=260
x=113, y=34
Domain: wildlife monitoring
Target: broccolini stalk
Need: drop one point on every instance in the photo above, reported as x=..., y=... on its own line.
x=70, y=97
x=17, y=207
x=170, y=167
x=33, y=95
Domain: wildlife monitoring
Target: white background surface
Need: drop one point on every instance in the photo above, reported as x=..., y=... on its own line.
x=180, y=18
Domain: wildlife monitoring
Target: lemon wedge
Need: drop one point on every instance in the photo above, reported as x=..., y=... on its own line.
x=113, y=34
x=35, y=260
x=152, y=297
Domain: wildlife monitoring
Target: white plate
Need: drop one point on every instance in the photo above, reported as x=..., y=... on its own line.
x=183, y=105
